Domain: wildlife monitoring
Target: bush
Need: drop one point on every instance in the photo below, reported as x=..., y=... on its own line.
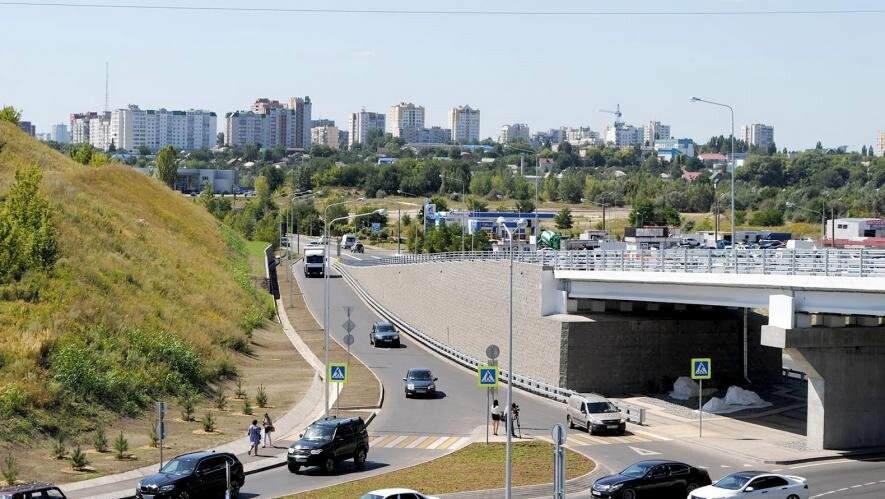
x=247, y=407
x=188, y=403
x=261, y=396
x=59, y=449
x=100, y=440
x=220, y=400
x=10, y=469
x=78, y=458
x=240, y=392
x=153, y=438
x=121, y=446
x=209, y=423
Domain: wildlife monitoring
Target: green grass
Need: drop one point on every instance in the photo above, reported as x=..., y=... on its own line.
x=475, y=467
x=142, y=272
x=255, y=255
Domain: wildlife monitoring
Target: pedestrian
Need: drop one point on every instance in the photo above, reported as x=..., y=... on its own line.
x=254, y=433
x=268, y=429
x=496, y=416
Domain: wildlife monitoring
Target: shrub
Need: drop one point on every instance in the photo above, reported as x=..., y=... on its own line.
x=10, y=469
x=240, y=392
x=261, y=396
x=121, y=446
x=78, y=458
x=247, y=407
x=59, y=449
x=153, y=437
x=220, y=400
x=100, y=440
x=209, y=423
x=187, y=403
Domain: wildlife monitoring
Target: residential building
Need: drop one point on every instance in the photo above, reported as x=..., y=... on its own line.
x=621, y=135
x=324, y=136
x=464, y=123
x=405, y=120
x=270, y=124
x=553, y=135
x=880, y=142
x=321, y=122
x=191, y=180
x=343, y=136
x=43, y=137
x=100, y=131
x=515, y=132
x=59, y=133
x=131, y=128
x=263, y=105
x=302, y=108
x=655, y=131
x=360, y=124
x=758, y=135
x=712, y=159
x=674, y=147
x=80, y=127
x=28, y=127
x=581, y=135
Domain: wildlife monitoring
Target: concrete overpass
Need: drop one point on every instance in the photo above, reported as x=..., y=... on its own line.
x=591, y=319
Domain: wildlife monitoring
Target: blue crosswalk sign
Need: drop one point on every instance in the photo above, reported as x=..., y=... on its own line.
x=338, y=373
x=700, y=369
x=487, y=377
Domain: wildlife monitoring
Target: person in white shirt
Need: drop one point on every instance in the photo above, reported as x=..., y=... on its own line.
x=496, y=416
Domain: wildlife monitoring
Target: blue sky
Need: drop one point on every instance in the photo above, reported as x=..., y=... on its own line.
x=812, y=77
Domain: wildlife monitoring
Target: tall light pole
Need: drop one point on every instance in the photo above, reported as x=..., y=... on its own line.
x=535, y=228
x=733, y=163
x=326, y=267
x=445, y=177
x=400, y=191
x=508, y=469
x=298, y=197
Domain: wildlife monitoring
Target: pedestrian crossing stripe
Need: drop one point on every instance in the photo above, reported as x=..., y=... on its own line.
x=426, y=442
x=487, y=377
x=583, y=439
x=338, y=373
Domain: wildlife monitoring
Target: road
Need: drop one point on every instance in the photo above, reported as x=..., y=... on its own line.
x=460, y=409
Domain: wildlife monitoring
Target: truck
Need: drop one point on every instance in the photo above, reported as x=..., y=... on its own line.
x=550, y=239
x=314, y=257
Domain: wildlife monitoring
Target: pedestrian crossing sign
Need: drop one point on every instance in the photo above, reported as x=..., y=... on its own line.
x=487, y=377
x=700, y=369
x=338, y=373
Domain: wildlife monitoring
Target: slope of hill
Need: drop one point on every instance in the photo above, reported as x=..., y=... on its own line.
x=148, y=296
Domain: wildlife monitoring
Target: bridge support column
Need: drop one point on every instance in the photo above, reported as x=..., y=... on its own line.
x=846, y=382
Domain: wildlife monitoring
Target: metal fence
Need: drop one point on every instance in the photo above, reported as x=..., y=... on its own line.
x=818, y=262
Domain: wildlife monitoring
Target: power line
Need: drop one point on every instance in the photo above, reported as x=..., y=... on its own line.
x=526, y=13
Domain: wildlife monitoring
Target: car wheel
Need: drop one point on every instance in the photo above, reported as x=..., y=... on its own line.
x=690, y=487
x=234, y=490
x=359, y=459
x=628, y=494
x=183, y=495
x=571, y=425
x=294, y=468
x=407, y=394
x=329, y=465
x=792, y=496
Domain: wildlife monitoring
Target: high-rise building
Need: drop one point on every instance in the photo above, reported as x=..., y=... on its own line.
x=324, y=136
x=360, y=124
x=270, y=124
x=653, y=131
x=880, y=142
x=581, y=135
x=80, y=127
x=405, y=120
x=758, y=135
x=132, y=128
x=302, y=108
x=28, y=127
x=621, y=135
x=262, y=105
x=100, y=131
x=515, y=132
x=464, y=123
x=321, y=122
x=59, y=133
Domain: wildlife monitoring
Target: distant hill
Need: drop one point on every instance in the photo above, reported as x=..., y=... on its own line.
x=148, y=296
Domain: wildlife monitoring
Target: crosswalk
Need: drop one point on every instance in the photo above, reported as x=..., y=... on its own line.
x=428, y=442
x=630, y=437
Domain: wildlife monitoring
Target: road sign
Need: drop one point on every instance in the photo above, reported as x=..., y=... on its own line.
x=701, y=368
x=558, y=434
x=376, y=227
x=348, y=339
x=348, y=325
x=338, y=373
x=492, y=351
x=487, y=377
x=161, y=430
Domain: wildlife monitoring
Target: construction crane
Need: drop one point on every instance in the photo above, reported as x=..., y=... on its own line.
x=617, y=113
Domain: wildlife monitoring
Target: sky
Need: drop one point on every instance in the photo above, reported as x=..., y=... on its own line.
x=813, y=77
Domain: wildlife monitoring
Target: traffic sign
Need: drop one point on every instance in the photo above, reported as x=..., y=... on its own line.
x=701, y=368
x=487, y=377
x=376, y=227
x=338, y=373
x=558, y=434
x=492, y=351
x=348, y=339
x=348, y=325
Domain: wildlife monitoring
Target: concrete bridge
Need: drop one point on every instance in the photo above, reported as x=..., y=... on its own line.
x=629, y=321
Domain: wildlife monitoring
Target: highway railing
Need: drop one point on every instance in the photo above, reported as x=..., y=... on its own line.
x=817, y=262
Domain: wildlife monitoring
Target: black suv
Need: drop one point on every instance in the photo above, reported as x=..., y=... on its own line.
x=328, y=441
x=33, y=490
x=197, y=474
x=384, y=333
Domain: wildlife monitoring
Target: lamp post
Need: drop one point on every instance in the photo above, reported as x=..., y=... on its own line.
x=508, y=470
x=298, y=197
x=535, y=227
x=400, y=191
x=445, y=177
x=733, y=163
x=823, y=220
x=326, y=267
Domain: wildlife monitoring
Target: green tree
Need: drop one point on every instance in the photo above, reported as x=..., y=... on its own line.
x=563, y=219
x=82, y=153
x=767, y=218
x=167, y=166
x=144, y=150
x=27, y=235
x=643, y=213
x=476, y=204
x=121, y=446
x=10, y=114
x=571, y=186
x=525, y=206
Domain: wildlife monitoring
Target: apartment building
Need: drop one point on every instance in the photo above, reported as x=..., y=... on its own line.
x=515, y=132
x=653, y=131
x=360, y=124
x=621, y=135
x=880, y=142
x=80, y=127
x=132, y=128
x=271, y=124
x=759, y=135
x=464, y=123
x=59, y=133
x=302, y=108
x=405, y=120
x=325, y=136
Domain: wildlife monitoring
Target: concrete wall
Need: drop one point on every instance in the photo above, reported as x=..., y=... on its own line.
x=464, y=304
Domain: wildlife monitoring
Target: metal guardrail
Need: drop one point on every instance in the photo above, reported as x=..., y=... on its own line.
x=794, y=374
x=634, y=413
x=817, y=262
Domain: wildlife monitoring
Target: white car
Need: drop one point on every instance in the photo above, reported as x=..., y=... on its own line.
x=395, y=494
x=749, y=484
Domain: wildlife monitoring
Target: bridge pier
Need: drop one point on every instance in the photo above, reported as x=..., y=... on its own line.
x=846, y=380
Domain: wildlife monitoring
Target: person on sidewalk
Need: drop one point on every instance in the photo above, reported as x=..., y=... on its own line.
x=268, y=429
x=496, y=416
x=254, y=433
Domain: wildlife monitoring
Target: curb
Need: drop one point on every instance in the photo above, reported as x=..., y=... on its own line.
x=878, y=452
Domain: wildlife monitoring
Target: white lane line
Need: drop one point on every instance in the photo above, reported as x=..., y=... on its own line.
x=436, y=444
x=838, y=461
x=354, y=257
x=375, y=257
x=650, y=434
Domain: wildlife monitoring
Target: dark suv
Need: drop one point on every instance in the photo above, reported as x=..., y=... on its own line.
x=384, y=333
x=197, y=474
x=33, y=490
x=328, y=441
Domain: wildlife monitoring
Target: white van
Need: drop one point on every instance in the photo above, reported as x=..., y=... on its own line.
x=347, y=241
x=595, y=413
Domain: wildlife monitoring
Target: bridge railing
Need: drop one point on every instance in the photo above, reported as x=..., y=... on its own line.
x=818, y=262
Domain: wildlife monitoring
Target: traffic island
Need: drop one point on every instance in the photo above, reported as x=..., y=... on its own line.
x=477, y=469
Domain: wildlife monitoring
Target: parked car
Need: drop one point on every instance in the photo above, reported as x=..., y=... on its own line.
x=31, y=490
x=420, y=381
x=357, y=248
x=594, y=413
x=395, y=494
x=383, y=333
x=196, y=474
x=328, y=441
x=347, y=241
x=651, y=479
x=755, y=484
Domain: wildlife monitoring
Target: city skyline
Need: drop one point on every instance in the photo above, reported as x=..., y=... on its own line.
x=655, y=67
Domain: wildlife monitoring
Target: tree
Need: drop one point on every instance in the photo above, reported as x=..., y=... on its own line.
x=863, y=150
x=563, y=219
x=219, y=139
x=10, y=114
x=525, y=206
x=144, y=150
x=643, y=213
x=767, y=218
x=819, y=146
x=167, y=166
x=476, y=204
x=27, y=235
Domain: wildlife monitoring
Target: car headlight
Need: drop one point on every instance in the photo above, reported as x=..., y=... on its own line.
x=396, y=336
x=431, y=387
x=411, y=386
x=615, y=487
x=167, y=488
x=291, y=450
x=138, y=484
x=316, y=451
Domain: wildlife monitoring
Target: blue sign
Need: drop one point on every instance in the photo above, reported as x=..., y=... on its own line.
x=701, y=369
x=338, y=373
x=376, y=227
x=487, y=377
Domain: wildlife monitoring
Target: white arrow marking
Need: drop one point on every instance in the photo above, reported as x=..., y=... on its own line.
x=644, y=452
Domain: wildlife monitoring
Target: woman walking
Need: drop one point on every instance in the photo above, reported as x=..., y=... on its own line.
x=254, y=433
x=496, y=416
x=268, y=429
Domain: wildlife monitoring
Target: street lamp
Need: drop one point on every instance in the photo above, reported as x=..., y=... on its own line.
x=733, y=163
x=521, y=223
x=298, y=197
x=536, y=228
x=823, y=220
x=463, y=189
x=400, y=191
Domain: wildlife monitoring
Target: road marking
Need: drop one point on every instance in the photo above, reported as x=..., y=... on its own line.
x=427, y=442
x=447, y=443
x=408, y=440
x=838, y=461
x=375, y=257
x=354, y=257
x=651, y=435
x=437, y=443
x=392, y=445
x=383, y=442
x=644, y=452
x=416, y=443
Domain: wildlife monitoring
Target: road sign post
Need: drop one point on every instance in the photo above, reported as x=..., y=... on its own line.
x=161, y=427
x=558, y=434
x=701, y=369
x=492, y=352
x=337, y=374
x=487, y=377
x=348, y=339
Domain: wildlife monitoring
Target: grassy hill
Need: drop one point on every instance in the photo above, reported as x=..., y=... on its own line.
x=149, y=296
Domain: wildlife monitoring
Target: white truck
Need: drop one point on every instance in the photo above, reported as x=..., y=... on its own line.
x=313, y=261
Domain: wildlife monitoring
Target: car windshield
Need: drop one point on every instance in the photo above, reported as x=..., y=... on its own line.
x=180, y=466
x=419, y=375
x=319, y=433
x=601, y=407
x=384, y=328
x=732, y=482
x=636, y=471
